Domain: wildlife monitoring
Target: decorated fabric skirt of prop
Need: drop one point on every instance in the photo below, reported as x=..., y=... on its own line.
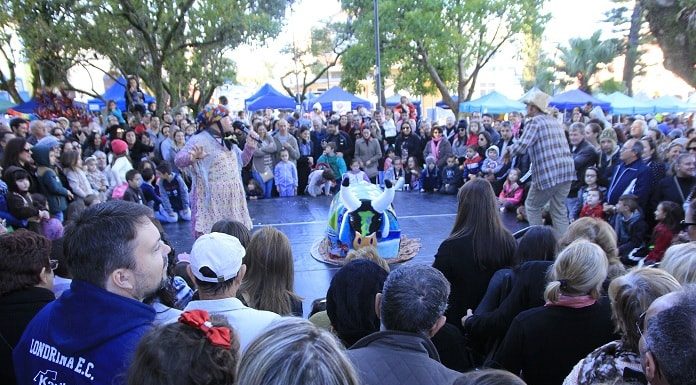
x=362, y=215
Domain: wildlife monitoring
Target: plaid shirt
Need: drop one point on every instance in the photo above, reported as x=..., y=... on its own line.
x=545, y=142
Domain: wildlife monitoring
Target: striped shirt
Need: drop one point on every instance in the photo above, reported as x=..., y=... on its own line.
x=545, y=142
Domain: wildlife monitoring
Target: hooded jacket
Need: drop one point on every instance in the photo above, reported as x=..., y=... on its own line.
x=19, y=204
x=49, y=183
x=87, y=336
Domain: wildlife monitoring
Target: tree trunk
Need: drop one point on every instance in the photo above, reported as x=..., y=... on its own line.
x=632, y=47
x=157, y=86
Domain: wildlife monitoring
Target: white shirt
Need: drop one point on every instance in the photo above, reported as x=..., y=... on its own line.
x=248, y=323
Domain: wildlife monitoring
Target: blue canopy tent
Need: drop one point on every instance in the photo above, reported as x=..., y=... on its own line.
x=265, y=89
x=671, y=104
x=337, y=94
x=576, y=98
x=282, y=102
x=442, y=104
x=28, y=107
x=622, y=104
x=493, y=103
x=116, y=93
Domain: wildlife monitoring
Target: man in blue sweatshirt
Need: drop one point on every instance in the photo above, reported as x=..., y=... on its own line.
x=89, y=334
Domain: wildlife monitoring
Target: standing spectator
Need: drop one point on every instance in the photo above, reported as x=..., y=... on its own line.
x=477, y=247
x=584, y=156
x=335, y=162
x=407, y=143
x=368, y=153
x=262, y=163
x=553, y=168
x=574, y=321
x=26, y=281
x=117, y=259
x=439, y=147
x=343, y=142
x=306, y=160
x=217, y=270
x=285, y=175
x=270, y=276
x=284, y=140
x=411, y=308
x=406, y=108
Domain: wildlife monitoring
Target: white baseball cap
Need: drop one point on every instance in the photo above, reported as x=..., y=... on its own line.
x=220, y=253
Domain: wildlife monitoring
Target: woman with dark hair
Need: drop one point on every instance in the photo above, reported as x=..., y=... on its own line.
x=438, y=147
x=652, y=160
x=484, y=141
x=350, y=300
x=26, y=280
x=478, y=246
x=270, y=276
x=407, y=143
x=233, y=228
x=18, y=153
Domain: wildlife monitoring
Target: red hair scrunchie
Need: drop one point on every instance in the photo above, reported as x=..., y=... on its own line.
x=200, y=319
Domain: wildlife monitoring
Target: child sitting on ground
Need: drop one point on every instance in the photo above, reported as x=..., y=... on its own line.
x=451, y=178
x=253, y=189
x=321, y=181
x=492, y=164
x=150, y=193
x=337, y=163
x=396, y=174
x=629, y=225
x=413, y=174
x=472, y=164
x=133, y=193
x=355, y=175
x=430, y=176
x=285, y=175
x=511, y=195
x=593, y=204
x=173, y=194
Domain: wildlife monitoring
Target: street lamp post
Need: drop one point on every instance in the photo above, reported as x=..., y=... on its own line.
x=378, y=70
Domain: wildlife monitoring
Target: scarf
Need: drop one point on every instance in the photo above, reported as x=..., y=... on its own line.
x=435, y=148
x=572, y=302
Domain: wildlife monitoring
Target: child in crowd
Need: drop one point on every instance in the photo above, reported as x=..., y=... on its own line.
x=593, y=204
x=412, y=174
x=77, y=179
x=19, y=202
x=97, y=179
x=253, y=189
x=396, y=174
x=321, y=181
x=451, y=178
x=50, y=228
x=387, y=161
x=668, y=216
x=133, y=193
x=285, y=175
x=492, y=164
x=430, y=176
x=511, y=195
x=337, y=164
x=150, y=192
x=590, y=178
x=629, y=225
x=56, y=195
x=173, y=194
x=355, y=175
x=472, y=164
x=198, y=349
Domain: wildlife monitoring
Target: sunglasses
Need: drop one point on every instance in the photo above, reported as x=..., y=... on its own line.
x=53, y=263
x=27, y=150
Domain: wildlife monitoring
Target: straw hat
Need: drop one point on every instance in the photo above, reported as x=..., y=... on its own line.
x=538, y=99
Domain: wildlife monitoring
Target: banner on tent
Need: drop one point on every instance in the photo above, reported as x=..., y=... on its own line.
x=341, y=107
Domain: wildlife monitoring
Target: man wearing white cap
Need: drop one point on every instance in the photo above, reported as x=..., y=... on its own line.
x=216, y=268
x=553, y=169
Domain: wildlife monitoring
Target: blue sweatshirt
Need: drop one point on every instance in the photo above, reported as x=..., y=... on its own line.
x=87, y=336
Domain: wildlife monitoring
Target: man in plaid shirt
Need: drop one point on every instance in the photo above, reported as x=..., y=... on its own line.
x=553, y=169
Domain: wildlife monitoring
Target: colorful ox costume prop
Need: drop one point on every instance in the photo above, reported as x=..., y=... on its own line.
x=362, y=215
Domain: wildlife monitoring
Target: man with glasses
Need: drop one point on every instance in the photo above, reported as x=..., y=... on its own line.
x=88, y=335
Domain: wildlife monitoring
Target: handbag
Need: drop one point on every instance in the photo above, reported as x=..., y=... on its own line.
x=267, y=174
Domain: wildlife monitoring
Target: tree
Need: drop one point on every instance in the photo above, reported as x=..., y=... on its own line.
x=328, y=44
x=538, y=70
x=582, y=57
x=8, y=78
x=430, y=45
x=673, y=24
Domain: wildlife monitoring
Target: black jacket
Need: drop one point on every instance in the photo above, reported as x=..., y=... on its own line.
x=584, y=156
x=16, y=310
x=408, y=146
x=398, y=358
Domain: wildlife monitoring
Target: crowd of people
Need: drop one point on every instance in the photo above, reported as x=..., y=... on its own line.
x=92, y=292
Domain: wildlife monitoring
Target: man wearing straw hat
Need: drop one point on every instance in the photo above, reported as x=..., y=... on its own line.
x=553, y=169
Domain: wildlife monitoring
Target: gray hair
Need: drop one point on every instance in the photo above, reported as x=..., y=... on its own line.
x=413, y=298
x=671, y=338
x=577, y=126
x=292, y=351
x=637, y=147
x=680, y=261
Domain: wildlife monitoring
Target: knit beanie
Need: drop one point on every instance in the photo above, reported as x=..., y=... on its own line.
x=608, y=134
x=119, y=147
x=430, y=159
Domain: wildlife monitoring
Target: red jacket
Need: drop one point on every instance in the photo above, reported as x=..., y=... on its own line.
x=594, y=212
x=511, y=196
x=661, y=240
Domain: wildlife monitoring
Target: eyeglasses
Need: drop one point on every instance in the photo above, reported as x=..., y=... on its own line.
x=640, y=323
x=685, y=224
x=27, y=149
x=53, y=263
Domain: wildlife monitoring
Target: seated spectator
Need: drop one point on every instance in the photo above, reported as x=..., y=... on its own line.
x=355, y=175
x=217, y=271
x=293, y=351
x=77, y=179
x=151, y=195
x=492, y=164
x=450, y=177
x=412, y=174
x=471, y=167
x=510, y=197
x=591, y=181
x=19, y=202
x=253, y=189
x=117, y=260
x=61, y=275
x=574, y=319
x=26, y=281
x=269, y=279
x=668, y=215
x=619, y=360
x=134, y=193
x=680, y=261
x=629, y=225
x=173, y=193
x=411, y=309
x=396, y=174
x=592, y=206
x=668, y=343
x=488, y=377
x=430, y=176
x=631, y=176
x=199, y=349
x=350, y=300
x=97, y=179
x=49, y=183
x=233, y=228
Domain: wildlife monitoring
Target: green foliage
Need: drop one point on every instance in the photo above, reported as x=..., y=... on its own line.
x=582, y=56
x=429, y=45
x=610, y=86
